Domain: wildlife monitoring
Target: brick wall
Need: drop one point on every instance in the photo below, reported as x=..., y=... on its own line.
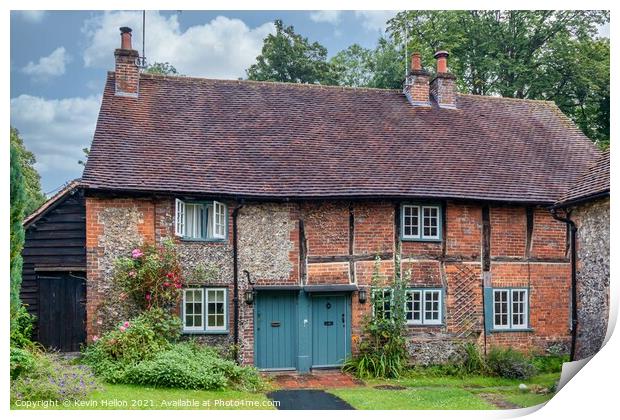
x=274, y=248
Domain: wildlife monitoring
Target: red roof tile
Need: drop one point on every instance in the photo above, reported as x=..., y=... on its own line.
x=276, y=140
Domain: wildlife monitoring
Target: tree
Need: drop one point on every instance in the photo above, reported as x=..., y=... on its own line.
x=18, y=201
x=535, y=54
x=86, y=152
x=382, y=67
x=32, y=180
x=162, y=69
x=289, y=57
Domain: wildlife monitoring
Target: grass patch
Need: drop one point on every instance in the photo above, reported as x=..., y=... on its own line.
x=527, y=400
x=412, y=399
x=135, y=397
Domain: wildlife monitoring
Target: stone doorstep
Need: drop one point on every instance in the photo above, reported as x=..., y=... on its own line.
x=314, y=380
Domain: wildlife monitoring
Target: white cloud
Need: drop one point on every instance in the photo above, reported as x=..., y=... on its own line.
x=221, y=48
x=326, y=16
x=375, y=20
x=56, y=130
x=49, y=66
x=32, y=16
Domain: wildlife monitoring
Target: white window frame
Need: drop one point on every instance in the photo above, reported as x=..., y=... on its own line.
x=420, y=210
x=224, y=327
x=525, y=313
x=423, y=298
x=383, y=291
x=205, y=328
x=404, y=217
x=179, y=218
x=219, y=220
x=509, y=313
x=422, y=224
x=214, y=230
x=202, y=302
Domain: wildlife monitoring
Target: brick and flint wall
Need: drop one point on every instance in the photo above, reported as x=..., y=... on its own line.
x=336, y=242
x=592, y=220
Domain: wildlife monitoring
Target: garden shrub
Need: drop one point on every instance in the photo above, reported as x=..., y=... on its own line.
x=549, y=363
x=22, y=361
x=132, y=342
x=473, y=362
x=509, y=363
x=383, y=347
x=45, y=376
x=151, y=276
x=193, y=366
x=22, y=324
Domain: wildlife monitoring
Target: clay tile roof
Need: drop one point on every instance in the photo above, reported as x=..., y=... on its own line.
x=51, y=202
x=291, y=141
x=593, y=182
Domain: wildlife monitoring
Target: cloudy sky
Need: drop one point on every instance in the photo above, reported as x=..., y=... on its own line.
x=59, y=62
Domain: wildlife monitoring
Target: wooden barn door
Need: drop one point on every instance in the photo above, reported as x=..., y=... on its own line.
x=62, y=310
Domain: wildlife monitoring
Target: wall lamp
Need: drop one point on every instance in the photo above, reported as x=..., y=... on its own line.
x=248, y=295
x=361, y=295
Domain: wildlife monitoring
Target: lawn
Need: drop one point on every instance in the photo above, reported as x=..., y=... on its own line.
x=134, y=397
x=448, y=393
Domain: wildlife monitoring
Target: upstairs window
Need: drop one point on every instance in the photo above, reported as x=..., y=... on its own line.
x=200, y=220
x=510, y=309
x=421, y=222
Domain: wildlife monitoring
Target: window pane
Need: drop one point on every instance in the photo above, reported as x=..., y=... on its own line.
x=500, y=306
x=431, y=306
x=430, y=222
x=193, y=309
x=411, y=221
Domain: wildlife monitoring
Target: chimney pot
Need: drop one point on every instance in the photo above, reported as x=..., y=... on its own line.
x=125, y=38
x=442, y=61
x=416, y=62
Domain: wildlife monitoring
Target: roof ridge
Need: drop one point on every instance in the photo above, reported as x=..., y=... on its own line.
x=506, y=98
x=262, y=82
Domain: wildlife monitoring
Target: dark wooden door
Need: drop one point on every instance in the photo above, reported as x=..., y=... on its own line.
x=62, y=310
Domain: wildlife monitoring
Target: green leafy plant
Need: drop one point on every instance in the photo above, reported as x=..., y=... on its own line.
x=193, y=366
x=383, y=348
x=22, y=324
x=151, y=276
x=131, y=342
x=38, y=376
x=509, y=363
x=549, y=363
x=473, y=362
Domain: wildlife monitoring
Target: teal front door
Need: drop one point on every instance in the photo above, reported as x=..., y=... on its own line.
x=276, y=330
x=330, y=330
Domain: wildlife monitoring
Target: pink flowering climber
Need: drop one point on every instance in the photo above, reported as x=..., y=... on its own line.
x=95, y=338
x=126, y=324
x=148, y=296
x=122, y=328
x=136, y=253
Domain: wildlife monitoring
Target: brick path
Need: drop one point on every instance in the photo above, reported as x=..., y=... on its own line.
x=314, y=380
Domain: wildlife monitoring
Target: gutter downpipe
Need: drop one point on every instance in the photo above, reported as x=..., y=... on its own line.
x=573, y=266
x=235, y=214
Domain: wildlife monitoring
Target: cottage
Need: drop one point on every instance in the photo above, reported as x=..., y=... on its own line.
x=287, y=193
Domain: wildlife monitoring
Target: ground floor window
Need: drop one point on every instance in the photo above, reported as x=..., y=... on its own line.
x=510, y=309
x=423, y=306
x=205, y=309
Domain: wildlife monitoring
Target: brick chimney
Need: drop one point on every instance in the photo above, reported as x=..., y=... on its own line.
x=126, y=72
x=416, y=87
x=443, y=86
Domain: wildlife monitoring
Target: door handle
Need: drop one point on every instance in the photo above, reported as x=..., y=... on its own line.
x=275, y=324
x=343, y=318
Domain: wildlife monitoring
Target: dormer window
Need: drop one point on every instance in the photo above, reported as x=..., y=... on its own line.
x=200, y=220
